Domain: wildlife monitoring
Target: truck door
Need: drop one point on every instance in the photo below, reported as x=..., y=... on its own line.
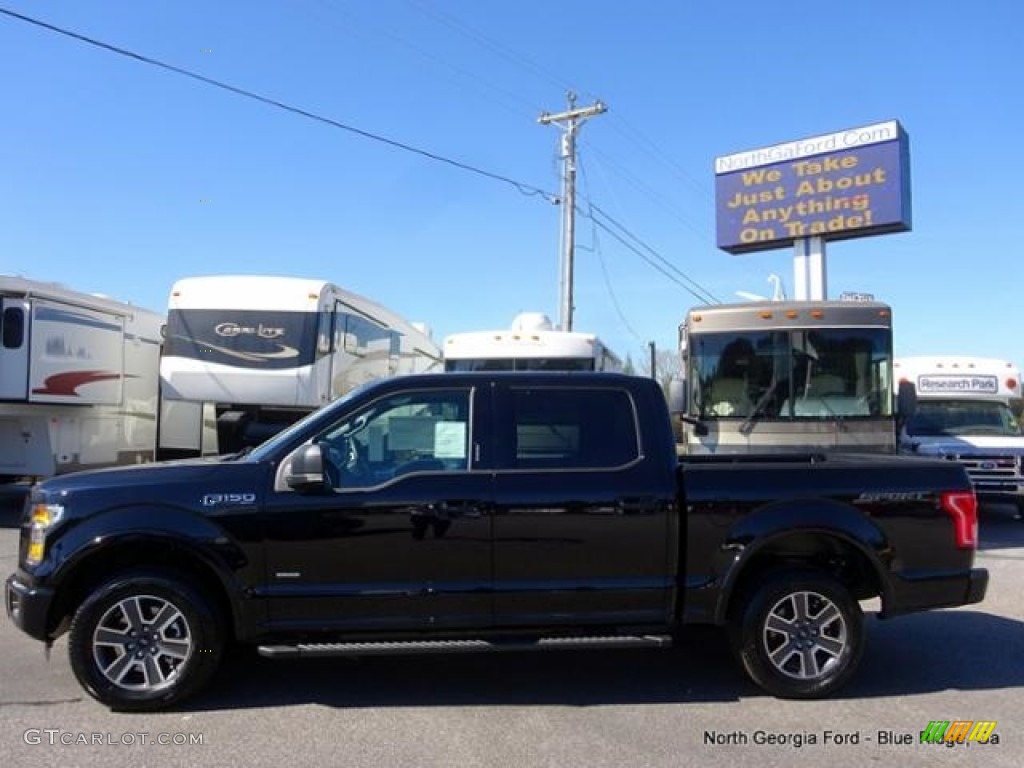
x=14, y=348
x=581, y=527
x=403, y=541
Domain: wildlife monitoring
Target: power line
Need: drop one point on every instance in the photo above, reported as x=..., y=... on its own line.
x=604, y=266
x=698, y=291
x=620, y=124
x=484, y=41
x=523, y=188
x=521, y=108
x=623, y=127
x=702, y=294
x=648, y=192
x=651, y=256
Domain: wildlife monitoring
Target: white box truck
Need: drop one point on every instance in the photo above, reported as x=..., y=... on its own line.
x=964, y=414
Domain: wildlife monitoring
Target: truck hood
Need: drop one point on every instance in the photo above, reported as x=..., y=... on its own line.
x=968, y=444
x=202, y=485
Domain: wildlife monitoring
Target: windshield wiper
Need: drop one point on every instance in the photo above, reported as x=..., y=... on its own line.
x=748, y=423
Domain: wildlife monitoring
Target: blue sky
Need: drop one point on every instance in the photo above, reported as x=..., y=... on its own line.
x=119, y=177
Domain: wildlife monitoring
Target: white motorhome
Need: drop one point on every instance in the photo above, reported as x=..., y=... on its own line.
x=964, y=414
x=531, y=344
x=78, y=380
x=267, y=350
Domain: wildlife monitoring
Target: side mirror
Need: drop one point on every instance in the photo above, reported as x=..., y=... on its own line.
x=677, y=396
x=306, y=472
x=906, y=400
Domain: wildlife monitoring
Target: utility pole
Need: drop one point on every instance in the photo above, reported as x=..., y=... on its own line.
x=572, y=119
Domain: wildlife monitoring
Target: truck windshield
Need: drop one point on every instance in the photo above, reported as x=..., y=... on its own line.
x=807, y=374
x=957, y=418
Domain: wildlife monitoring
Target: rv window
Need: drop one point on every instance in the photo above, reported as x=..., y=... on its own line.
x=13, y=327
x=324, y=335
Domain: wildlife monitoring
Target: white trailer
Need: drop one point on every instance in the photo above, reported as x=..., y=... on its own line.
x=78, y=380
x=268, y=349
x=531, y=344
x=964, y=414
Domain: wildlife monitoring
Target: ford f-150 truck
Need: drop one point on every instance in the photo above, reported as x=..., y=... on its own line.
x=460, y=512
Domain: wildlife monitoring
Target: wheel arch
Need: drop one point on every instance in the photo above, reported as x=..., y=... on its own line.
x=134, y=552
x=824, y=536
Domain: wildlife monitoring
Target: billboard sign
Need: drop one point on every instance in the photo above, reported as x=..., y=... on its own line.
x=841, y=185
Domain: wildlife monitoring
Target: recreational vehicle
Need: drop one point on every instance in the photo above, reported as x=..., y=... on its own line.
x=782, y=376
x=531, y=344
x=78, y=380
x=268, y=350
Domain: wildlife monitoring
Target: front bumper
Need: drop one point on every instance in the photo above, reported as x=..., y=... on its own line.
x=28, y=607
x=925, y=591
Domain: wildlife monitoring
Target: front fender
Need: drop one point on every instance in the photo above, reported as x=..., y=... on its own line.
x=81, y=538
x=83, y=547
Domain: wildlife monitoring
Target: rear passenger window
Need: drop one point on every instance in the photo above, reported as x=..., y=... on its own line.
x=565, y=428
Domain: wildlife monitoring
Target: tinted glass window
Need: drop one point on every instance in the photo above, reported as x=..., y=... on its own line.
x=954, y=418
x=244, y=338
x=399, y=435
x=821, y=374
x=13, y=327
x=521, y=364
x=499, y=364
x=567, y=428
x=367, y=339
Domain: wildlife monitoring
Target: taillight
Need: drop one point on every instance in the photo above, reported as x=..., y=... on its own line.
x=962, y=506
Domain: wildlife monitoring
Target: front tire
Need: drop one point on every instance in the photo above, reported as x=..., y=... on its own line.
x=144, y=641
x=799, y=635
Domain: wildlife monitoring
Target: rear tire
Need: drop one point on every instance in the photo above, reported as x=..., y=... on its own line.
x=799, y=634
x=144, y=641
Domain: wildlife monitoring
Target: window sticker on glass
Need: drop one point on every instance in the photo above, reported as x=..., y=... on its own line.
x=410, y=433
x=450, y=440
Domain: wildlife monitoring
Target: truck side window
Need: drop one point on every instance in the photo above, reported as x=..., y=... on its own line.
x=401, y=434
x=567, y=428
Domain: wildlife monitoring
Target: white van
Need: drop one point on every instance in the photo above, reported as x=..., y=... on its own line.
x=963, y=414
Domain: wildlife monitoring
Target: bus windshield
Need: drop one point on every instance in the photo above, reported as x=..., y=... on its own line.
x=825, y=373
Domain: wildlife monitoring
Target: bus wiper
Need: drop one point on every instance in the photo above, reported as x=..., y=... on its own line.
x=748, y=423
x=699, y=427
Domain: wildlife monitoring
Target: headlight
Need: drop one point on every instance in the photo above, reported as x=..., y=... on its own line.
x=42, y=517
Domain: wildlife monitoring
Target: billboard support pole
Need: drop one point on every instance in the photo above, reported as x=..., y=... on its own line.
x=809, y=278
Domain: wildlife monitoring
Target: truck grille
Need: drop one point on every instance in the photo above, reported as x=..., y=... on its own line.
x=993, y=474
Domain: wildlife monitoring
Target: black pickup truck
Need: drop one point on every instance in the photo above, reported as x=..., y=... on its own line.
x=461, y=512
